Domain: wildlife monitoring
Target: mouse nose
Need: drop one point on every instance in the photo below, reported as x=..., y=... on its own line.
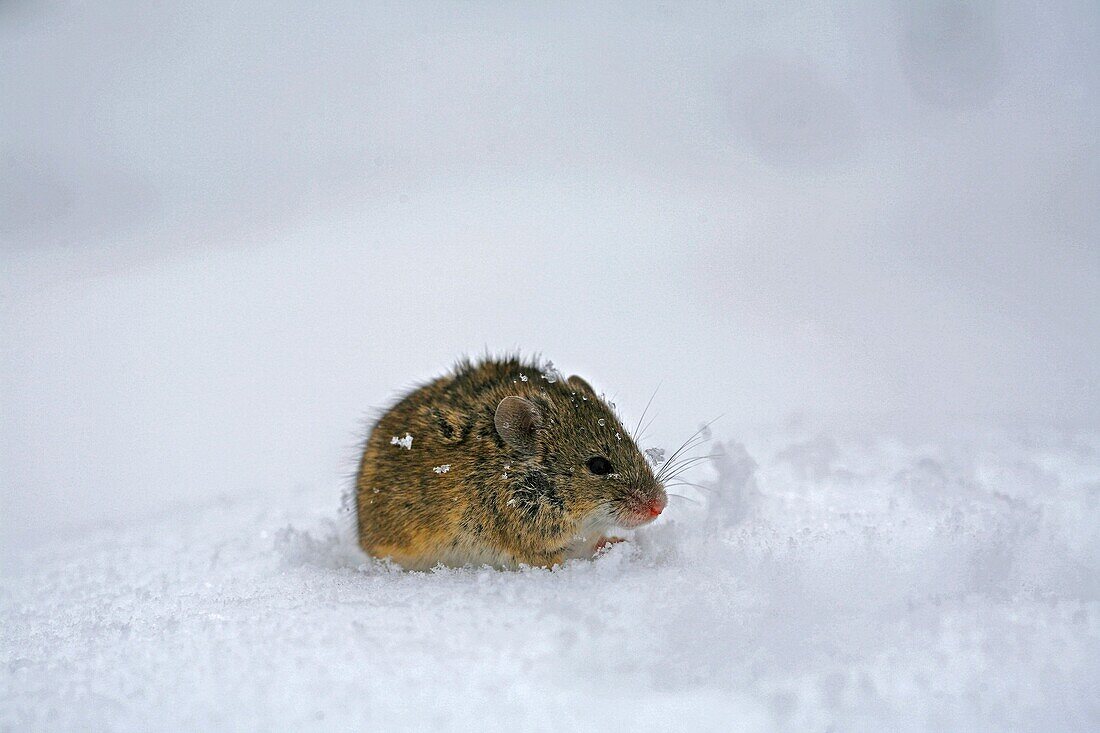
x=655, y=507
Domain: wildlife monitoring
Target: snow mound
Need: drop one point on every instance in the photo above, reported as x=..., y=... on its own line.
x=810, y=584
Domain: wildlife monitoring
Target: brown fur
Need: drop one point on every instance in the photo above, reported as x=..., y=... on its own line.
x=502, y=502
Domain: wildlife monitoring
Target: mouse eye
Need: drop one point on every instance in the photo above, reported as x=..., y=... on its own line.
x=600, y=465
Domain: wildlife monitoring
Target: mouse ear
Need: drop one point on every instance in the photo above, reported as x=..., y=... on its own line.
x=516, y=421
x=580, y=385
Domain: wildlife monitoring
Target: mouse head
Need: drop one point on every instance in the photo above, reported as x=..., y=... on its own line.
x=579, y=445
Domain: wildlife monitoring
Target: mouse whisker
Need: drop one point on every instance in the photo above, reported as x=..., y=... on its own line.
x=679, y=474
x=672, y=466
x=672, y=463
x=690, y=463
x=701, y=487
x=685, y=498
x=685, y=450
x=639, y=425
x=685, y=460
x=701, y=431
x=645, y=428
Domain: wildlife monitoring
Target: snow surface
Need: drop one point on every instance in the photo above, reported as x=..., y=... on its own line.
x=820, y=583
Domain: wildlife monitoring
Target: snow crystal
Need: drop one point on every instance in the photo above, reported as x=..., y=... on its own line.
x=406, y=442
x=656, y=456
x=549, y=373
x=442, y=469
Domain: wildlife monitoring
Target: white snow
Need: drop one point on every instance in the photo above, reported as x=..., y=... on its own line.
x=827, y=584
x=406, y=442
x=656, y=456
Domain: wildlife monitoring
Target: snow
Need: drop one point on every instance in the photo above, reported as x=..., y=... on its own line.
x=656, y=456
x=550, y=372
x=406, y=442
x=823, y=582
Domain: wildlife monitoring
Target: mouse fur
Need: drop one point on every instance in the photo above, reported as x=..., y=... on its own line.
x=500, y=462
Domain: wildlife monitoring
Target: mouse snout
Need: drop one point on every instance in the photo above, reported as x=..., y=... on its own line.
x=655, y=506
x=645, y=508
x=659, y=499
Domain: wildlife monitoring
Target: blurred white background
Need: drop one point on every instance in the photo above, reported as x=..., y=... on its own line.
x=229, y=230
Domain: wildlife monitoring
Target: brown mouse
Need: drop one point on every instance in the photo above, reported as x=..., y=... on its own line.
x=502, y=463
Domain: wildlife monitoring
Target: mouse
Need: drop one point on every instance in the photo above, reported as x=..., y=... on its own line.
x=500, y=462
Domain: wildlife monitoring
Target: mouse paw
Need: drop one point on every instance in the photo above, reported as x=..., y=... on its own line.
x=604, y=542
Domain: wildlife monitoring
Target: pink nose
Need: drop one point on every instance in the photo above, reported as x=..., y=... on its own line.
x=655, y=508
